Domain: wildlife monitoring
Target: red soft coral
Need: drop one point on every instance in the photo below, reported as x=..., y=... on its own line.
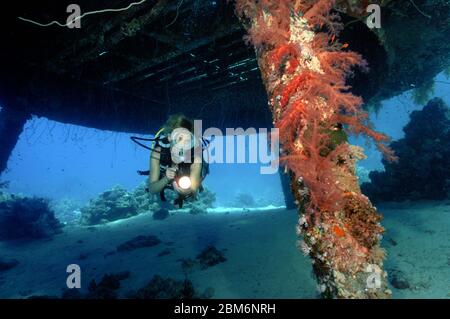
x=307, y=102
x=262, y=32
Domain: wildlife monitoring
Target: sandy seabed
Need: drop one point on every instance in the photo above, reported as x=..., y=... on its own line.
x=259, y=245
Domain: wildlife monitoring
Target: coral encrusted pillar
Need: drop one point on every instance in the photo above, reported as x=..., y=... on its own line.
x=304, y=69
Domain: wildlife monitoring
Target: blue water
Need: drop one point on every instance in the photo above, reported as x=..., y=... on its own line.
x=58, y=161
x=62, y=161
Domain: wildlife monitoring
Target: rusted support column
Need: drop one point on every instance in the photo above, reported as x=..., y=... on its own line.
x=304, y=67
x=285, y=179
x=11, y=126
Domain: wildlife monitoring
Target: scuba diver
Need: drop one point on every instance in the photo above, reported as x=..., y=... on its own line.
x=174, y=162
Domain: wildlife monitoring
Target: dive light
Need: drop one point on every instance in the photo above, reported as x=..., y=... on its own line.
x=182, y=177
x=184, y=182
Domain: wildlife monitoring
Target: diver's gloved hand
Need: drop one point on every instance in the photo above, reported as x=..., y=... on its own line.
x=171, y=172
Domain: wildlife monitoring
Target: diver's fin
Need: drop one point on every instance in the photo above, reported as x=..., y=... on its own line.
x=162, y=196
x=179, y=201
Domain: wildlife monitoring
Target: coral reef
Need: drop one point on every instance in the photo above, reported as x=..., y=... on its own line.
x=67, y=211
x=111, y=205
x=25, y=218
x=244, y=200
x=139, y=242
x=423, y=169
x=144, y=200
x=196, y=205
x=304, y=68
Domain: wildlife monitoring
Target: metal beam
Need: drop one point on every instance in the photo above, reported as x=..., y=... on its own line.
x=190, y=46
x=12, y=121
x=105, y=39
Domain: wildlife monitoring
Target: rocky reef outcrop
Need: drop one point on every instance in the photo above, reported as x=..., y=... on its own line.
x=118, y=203
x=423, y=169
x=169, y=288
x=110, y=205
x=26, y=218
x=210, y=256
x=106, y=288
x=109, y=287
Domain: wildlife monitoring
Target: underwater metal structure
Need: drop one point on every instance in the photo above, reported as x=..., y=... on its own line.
x=304, y=68
x=127, y=71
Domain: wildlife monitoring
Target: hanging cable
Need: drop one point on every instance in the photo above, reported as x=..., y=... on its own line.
x=81, y=16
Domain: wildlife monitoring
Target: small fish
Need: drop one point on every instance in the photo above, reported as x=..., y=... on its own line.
x=345, y=45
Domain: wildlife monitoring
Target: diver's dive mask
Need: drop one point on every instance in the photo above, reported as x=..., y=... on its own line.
x=182, y=142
